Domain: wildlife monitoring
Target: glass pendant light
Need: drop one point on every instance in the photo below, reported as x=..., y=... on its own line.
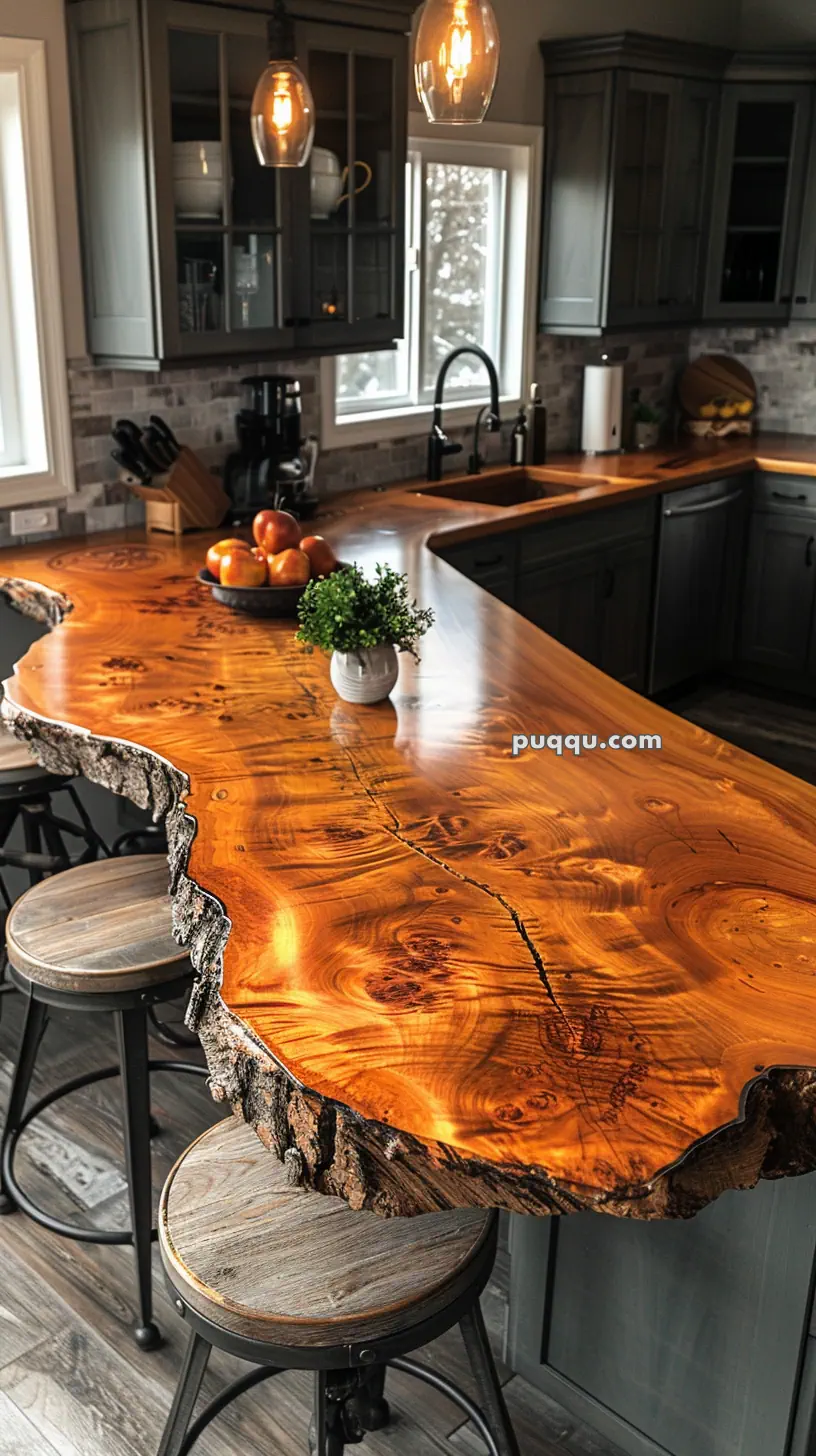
x=456, y=59
x=283, y=113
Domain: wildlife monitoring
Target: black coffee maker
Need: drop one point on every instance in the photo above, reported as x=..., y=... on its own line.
x=271, y=467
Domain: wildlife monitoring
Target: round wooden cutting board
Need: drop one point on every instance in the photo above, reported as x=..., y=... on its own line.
x=714, y=376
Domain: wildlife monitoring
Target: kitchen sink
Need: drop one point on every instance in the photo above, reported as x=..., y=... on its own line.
x=506, y=490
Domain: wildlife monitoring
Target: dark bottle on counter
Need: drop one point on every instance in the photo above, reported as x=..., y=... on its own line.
x=537, y=428
x=518, y=440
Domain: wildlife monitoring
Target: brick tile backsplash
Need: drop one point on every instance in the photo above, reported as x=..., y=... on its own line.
x=200, y=403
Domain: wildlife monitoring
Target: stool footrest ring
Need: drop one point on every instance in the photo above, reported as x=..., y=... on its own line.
x=21, y=1201
x=182, y=1444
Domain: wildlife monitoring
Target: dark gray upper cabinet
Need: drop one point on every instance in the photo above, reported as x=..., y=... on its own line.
x=804, y=287
x=239, y=266
x=631, y=126
x=761, y=159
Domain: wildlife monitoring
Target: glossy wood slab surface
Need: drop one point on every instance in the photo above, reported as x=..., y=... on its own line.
x=535, y=981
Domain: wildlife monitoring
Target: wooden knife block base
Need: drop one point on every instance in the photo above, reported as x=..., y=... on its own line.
x=187, y=498
x=163, y=515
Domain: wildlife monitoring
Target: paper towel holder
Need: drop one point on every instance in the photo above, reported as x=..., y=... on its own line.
x=602, y=418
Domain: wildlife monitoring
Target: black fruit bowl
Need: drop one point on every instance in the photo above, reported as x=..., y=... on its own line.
x=256, y=601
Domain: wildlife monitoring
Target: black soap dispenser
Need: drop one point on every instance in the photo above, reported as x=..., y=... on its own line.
x=537, y=428
x=518, y=440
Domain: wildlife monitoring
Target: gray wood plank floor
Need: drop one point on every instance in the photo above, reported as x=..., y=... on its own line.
x=71, y=1380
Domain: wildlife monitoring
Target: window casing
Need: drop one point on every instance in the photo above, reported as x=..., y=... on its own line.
x=471, y=272
x=35, y=436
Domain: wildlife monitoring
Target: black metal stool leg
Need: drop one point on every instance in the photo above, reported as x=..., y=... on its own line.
x=327, y=1440
x=368, y=1403
x=181, y=1413
x=36, y=1018
x=131, y=1032
x=488, y=1385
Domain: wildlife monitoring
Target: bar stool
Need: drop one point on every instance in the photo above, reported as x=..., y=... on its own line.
x=25, y=798
x=97, y=938
x=26, y=791
x=293, y=1280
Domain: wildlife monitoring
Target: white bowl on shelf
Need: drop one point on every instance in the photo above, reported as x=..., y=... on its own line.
x=197, y=159
x=198, y=196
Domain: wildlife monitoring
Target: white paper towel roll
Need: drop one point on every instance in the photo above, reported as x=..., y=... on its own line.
x=603, y=409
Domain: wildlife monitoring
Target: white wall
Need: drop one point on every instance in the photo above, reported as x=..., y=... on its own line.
x=777, y=23
x=45, y=20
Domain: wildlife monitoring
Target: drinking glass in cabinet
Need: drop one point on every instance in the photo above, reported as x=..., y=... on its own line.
x=254, y=281
x=200, y=283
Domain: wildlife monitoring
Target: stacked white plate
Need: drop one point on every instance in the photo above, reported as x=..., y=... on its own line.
x=198, y=178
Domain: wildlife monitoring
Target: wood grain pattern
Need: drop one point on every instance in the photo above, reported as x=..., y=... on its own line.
x=431, y=974
x=335, y=1277
x=106, y=926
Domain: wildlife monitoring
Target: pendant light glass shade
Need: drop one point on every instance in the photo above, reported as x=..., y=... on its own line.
x=456, y=59
x=282, y=118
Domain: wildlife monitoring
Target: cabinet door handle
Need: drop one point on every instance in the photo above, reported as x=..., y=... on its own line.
x=801, y=298
x=809, y=551
x=491, y=561
x=712, y=505
x=791, y=499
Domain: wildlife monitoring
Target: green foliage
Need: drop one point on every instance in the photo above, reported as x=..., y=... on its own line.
x=344, y=611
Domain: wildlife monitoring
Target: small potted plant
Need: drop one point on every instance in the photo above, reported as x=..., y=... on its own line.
x=362, y=624
x=646, y=423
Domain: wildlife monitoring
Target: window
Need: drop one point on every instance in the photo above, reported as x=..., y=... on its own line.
x=471, y=269
x=35, y=437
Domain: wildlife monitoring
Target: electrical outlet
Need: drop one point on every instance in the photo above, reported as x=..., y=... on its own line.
x=31, y=523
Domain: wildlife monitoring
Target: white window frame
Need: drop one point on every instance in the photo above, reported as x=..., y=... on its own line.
x=50, y=475
x=521, y=253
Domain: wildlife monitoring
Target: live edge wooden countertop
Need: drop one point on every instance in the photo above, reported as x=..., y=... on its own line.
x=451, y=976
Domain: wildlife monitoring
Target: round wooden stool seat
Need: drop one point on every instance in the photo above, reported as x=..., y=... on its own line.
x=275, y=1263
x=104, y=927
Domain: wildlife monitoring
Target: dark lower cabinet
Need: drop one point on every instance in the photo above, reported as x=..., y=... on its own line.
x=676, y=1338
x=626, y=596
x=701, y=536
x=780, y=591
x=563, y=600
x=588, y=583
x=491, y=562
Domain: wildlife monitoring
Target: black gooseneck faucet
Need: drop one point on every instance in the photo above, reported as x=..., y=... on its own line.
x=438, y=443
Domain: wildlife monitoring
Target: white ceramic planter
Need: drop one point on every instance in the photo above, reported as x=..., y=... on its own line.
x=364, y=676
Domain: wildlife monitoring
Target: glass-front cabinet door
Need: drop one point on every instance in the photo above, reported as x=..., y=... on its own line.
x=758, y=197
x=221, y=216
x=350, y=202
